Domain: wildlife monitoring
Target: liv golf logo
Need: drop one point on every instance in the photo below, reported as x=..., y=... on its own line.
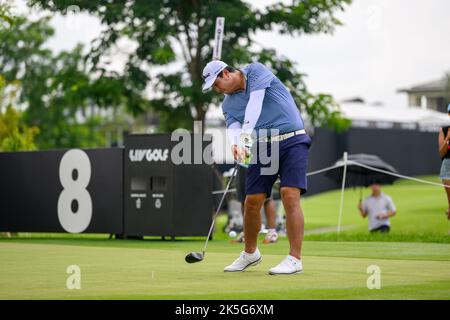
x=150, y=155
x=189, y=148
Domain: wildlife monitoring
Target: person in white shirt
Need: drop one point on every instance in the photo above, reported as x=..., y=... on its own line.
x=378, y=207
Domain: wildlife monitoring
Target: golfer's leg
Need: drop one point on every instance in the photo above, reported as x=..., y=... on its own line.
x=294, y=219
x=252, y=220
x=270, y=212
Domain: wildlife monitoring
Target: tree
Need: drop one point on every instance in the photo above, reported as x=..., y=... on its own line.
x=60, y=93
x=15, y=135
x=5, y=15
x=169, y=31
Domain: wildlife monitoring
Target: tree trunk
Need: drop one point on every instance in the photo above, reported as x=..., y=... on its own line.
x=201, y=113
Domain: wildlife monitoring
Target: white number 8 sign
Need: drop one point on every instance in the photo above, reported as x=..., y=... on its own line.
x=75, y=203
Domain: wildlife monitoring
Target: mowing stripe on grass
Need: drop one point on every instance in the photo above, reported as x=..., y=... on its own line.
x=38, y=271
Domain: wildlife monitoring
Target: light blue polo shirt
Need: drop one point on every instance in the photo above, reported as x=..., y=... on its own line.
x=279, y=110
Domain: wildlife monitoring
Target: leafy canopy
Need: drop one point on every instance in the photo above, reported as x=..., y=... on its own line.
x=174, y=40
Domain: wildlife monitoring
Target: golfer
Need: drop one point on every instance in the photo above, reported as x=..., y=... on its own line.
x=256, y=100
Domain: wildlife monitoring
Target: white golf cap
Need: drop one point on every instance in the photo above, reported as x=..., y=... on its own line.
x=210, y=73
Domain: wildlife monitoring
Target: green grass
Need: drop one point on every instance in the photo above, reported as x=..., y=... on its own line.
x=414, y=259
x=156, y=270
x=420, y=214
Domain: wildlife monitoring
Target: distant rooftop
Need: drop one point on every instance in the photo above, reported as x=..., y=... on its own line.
x=371, y=116
x=437, y=85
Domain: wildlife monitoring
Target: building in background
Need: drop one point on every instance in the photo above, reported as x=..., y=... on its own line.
x=434, y=95
x=379, y=116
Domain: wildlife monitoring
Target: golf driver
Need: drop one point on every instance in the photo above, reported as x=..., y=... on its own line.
x=199, y=256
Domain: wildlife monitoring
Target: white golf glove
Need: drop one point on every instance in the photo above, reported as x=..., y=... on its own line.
x=246, y=142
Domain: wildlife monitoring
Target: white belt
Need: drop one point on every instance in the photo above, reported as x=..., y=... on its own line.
x=282, y=137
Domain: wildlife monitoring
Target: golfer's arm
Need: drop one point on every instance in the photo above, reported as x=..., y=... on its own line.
x=233, y=132
x=253, y=110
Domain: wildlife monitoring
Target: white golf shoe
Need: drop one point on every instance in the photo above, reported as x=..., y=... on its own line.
x=289, y=265
x=271, y=237
x=244, y=261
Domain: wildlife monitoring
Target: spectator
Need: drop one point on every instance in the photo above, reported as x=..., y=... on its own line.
x=378, y=207
x=444, y=137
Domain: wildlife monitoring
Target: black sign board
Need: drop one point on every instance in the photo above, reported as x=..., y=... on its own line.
x=62, y=191
x=162, y=196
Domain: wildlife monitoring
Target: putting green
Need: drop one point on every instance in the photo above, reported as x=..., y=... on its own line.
x=156, y=270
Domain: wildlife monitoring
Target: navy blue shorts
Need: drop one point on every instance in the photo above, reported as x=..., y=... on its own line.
x=293, y=163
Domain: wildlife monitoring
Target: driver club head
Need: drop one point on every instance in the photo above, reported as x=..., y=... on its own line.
x=194, y=257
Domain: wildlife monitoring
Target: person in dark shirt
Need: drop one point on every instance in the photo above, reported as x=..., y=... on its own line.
x=444, y=152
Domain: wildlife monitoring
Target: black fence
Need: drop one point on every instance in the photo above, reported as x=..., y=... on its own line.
x=412, y=153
